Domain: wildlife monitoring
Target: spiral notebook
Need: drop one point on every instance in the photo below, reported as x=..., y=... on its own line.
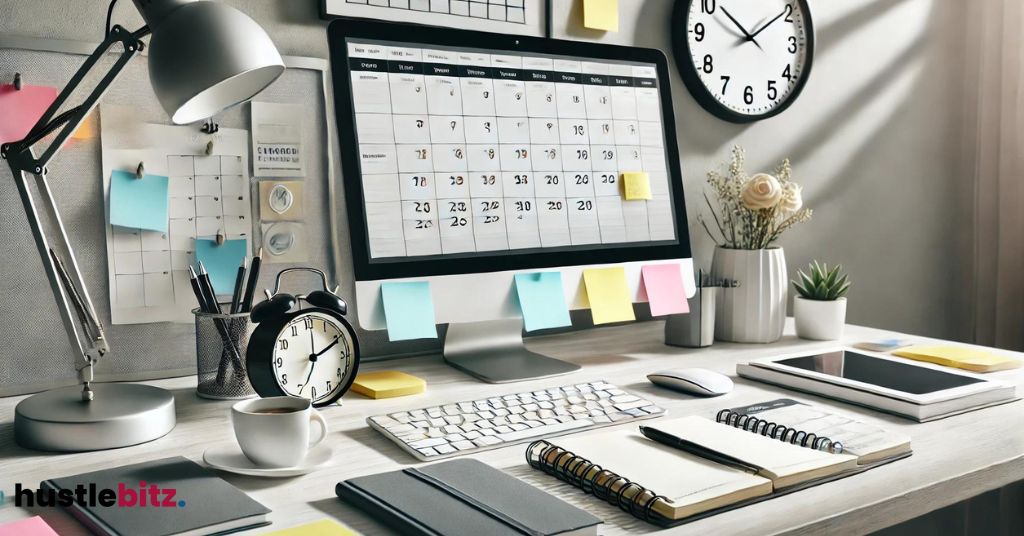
x=668, y=486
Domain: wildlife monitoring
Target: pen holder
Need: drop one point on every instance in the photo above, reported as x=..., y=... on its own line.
x=697, y=328
x=221, y=340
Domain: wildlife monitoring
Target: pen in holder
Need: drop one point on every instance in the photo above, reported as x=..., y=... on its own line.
x=697, y=328
x=221, y=340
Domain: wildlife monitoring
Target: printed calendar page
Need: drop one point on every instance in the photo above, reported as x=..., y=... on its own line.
x=464, y=152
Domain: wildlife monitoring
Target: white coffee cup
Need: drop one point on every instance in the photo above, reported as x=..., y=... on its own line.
x=274, y=432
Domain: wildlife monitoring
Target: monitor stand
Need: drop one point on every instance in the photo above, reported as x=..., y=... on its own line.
x=494, y=352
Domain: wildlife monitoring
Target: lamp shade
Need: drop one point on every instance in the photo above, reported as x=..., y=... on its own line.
x=205, y=57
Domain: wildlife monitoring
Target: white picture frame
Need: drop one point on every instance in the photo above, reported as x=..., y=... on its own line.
x=521, y=17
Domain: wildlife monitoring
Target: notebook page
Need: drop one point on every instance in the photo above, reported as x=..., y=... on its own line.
x=692, y=483
x=785, y=464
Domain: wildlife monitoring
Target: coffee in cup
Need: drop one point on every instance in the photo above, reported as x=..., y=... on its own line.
x=274, y=432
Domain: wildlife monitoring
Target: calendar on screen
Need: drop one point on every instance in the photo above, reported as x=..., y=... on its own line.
x=465, y=152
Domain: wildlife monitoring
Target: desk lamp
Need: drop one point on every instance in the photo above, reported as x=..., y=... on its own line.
x=204, y=57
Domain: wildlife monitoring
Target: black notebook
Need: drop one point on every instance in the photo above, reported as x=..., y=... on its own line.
x=191, y=499
x=463, y=497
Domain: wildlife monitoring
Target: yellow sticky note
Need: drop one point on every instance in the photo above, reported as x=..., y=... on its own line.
x=324, y=527
x=961, y=357
x=387, y=384
x=601, y=15
x=636, y=185
x=608, y=294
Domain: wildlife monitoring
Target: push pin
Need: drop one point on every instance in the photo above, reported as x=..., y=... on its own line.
x=219, y=239
x=140, y=171
x=209, y=148
x=17, y=81
x=209, y=127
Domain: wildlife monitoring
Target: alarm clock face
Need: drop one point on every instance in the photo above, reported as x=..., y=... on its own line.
x=313, y=357
x=745, y=60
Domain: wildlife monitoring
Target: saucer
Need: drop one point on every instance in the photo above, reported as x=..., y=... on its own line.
x=229, y=457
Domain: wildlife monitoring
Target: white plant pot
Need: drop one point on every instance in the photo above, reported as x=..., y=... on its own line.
x=754, y=311
x=819, y=320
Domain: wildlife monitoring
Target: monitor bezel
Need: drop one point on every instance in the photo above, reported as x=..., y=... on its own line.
x=343, y=28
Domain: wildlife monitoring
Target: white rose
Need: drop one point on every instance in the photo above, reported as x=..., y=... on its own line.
x=792, y=198
x=762, y=191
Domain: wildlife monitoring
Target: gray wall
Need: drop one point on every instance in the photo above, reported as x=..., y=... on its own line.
x=874, y=137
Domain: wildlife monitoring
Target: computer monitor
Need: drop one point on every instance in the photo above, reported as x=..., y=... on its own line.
x=469, y=157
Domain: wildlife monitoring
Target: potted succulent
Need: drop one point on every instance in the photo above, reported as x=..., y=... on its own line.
x=747, y=216
x=820, y=308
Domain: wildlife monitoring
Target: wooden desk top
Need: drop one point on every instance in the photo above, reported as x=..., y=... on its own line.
x=954, y=459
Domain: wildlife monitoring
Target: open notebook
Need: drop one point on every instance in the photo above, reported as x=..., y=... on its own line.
x=669, y=486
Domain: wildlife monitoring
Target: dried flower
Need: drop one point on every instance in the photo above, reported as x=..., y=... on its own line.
x=792, y=198
x=762, y=191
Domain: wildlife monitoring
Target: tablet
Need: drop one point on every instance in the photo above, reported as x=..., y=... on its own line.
x=881, y=372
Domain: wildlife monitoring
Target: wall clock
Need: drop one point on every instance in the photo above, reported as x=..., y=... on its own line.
x=743, y=60
x=306, y=351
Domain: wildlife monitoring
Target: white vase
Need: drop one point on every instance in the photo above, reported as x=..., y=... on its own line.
x=819, y=320
x=755, y=310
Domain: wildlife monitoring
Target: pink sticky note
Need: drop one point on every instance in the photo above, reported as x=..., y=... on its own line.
x=19, y=110
x=663, y=284
x=33, y=526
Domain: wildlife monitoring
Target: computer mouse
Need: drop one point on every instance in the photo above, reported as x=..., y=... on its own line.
x=694, y=381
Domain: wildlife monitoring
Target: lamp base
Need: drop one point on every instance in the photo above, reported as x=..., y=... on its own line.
x=120, y=415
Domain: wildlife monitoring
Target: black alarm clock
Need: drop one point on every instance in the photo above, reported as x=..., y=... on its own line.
x=307, y=351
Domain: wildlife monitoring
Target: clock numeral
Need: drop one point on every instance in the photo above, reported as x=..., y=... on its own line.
x=787, y=74
x=707, y=6
x=314, y=393
x=789, y=13
x=708, y=64
x=339, y=372
x=279, y=362
x=328, y=386
x=773, y=93
x=284, y=344
x=698, y=30
x=748, y=95
x=792, y=45
x=725, y=83
x=295, y=330
x=284, y=379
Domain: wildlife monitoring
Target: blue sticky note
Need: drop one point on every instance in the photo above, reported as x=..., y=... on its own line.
x=221, y=262
x=138, y=203
x=409, y=310
x=542, y=300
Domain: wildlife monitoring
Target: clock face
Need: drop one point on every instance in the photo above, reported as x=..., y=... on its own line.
x=745, y=59
x=313, y=357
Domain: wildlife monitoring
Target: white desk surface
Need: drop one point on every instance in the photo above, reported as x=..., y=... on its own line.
x=954, y=459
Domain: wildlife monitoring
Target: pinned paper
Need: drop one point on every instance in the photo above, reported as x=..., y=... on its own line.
x=20, y=109
x=221, y=261
x=664, y=286
x=636, y=185
x=608, y=294
x=542, y=300
x=408, y=310
x=601, y=15
x=138, y=203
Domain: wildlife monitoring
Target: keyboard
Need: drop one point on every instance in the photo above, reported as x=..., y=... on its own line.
x=448, y=430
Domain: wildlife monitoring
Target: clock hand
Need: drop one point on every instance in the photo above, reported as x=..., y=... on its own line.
x=746, y=34
x=767, y=24
x=329, y=346
x=308, y=376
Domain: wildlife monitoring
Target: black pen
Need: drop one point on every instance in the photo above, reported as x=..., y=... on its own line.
x=200, y=295
x=207, y=286
x=250, y=285
x=236, y=296
x=697, y=450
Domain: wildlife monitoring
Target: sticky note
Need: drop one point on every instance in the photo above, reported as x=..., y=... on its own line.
x=608, y=294
x=636, y=185
x=387, y=384
x=962, y=357
x=33, y=526
x=20, y=110
x=664, y=286
x=408, y=310
x=601, y=15
x=542, y=300
x=323, y=527
x=138, y=203
x=221, y=261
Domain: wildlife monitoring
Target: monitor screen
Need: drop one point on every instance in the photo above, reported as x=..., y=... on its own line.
x=881, y=372
x=469, y=152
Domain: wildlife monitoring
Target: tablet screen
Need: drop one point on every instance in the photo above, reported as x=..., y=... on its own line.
x=881, y=372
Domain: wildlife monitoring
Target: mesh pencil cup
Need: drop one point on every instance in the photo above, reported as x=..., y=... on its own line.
x=221, y=340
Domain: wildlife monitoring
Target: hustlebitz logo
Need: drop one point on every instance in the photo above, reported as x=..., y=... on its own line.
x=90, y=495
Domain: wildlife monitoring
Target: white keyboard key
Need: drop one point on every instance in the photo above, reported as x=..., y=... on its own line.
x=430, y=442
x=544, y=430
x=435, y=432
x=428, y=452
x=625, y=398
x=631, y=405
x=486, y=441
x=444, y=449
x=451, y=438
x=450, y=409
x=463, y=445
x=451, y=429
x=503, y=430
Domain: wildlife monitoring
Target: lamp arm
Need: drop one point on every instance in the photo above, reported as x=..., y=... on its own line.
x=77, y=312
